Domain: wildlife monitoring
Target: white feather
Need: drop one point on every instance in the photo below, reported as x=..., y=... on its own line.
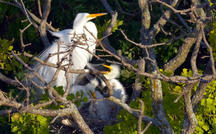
x=114, y=73
x=80, y=56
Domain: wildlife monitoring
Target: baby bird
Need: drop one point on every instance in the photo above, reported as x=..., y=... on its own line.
x=93, y=87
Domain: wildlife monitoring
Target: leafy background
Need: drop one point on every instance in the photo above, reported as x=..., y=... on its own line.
x=62, y=15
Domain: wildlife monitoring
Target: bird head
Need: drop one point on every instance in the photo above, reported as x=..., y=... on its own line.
x=109, y=71
x=83, y=18
x=114, y=71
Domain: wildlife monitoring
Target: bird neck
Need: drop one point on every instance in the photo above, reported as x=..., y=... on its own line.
x=79, y=27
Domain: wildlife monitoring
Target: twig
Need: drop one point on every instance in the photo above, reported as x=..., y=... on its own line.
x=42, y=27
x=21, y=61
x=184, y=11
x=39, y=8
x=210, y=50
x=146, y=128
x=140, y=117
x=21, y=37
x=195, y=53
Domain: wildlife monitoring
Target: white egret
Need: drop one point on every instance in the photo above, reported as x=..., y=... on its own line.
x=88, y=84
x=82, y=37
x=105, y=110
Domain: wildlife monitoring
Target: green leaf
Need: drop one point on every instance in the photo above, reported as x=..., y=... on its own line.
x=59, y=89
x=10, y=48
x=85, y=99
x=70, y=97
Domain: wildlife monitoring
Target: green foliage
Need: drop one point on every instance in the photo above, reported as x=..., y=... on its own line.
x=5, y=49
x=128, y=123
x=164, y=53
x=175, y=112
x=206, y=113
x=212, y=37
x=59, y=89
x=77, y=98
x=8, y=63
x=102, y=28
x=29, y=123
x=212, y=27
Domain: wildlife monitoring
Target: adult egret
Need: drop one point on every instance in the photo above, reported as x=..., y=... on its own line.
x=88, y=84
x=79, y=41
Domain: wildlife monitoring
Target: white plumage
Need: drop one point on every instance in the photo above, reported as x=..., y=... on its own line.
x=83, y=36
x=105, y=109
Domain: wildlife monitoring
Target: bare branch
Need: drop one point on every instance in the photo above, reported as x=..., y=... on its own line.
x=140, y=117
x=8, y=80
x=21, y=37
x=42, y=27
x=39, y=8
x=183, y=11
x=107, y=6
x=195, y=53
x=210, y=50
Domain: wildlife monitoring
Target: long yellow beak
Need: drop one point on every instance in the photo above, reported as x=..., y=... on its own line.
x=106, y=72
x=96, y=15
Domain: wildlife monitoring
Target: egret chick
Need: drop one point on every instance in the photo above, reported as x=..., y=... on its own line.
x=87, y=83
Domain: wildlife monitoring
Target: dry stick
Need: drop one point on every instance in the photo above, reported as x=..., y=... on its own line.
x=71, y=110
x=189, y=111
x=162, y=21
x=175, y=24
x=58, y=60
x=29, y=68
x=175, y=79
x=184, y=11
x=183, y=22
x=4, y=100
x=26, y=89
x=140, y=117
x=107, y=6
x=96, y=56
x=8, y=80
x=67, y=90
x=182, y=93
x=195, y=53
x=109, y=30
x=21, y=61
x=198, y=95
x=106, y=43
x=25, y=11
x=133, y=111
x=35, y=18
x=163, y=30
x=50, y=84
x=21, y=37
x=146, y=128
x=43, y=104
x=78, y=71
x=210, y=50
x=42, y=27
x=39, y=8
x=140, y=44
x=153, y=45
x=137, y=85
